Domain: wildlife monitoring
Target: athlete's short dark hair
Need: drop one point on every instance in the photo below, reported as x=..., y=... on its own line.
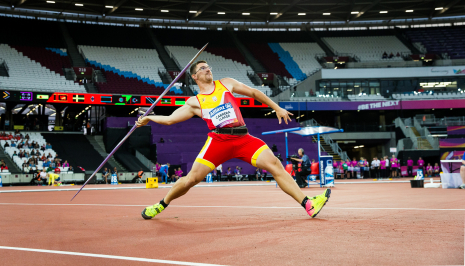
x=194, y=66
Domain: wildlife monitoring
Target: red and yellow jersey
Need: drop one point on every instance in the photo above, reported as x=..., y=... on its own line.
x=219, y=108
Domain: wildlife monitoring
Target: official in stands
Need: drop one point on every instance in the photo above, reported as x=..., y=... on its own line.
x=301, y=176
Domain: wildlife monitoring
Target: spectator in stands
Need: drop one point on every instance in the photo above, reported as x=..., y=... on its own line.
x=46, y=163
x=50, y=169
x=237, y=173
x=409, y=167
x=429, y=170
x=36, y=146
x=105, y=174
x=30, y=145
x=27, y=155
x=42, y=148
x=38, y=153
x=66, y=164
x=20, y=154
x=229, y=174
x=398, y=54
x=14, y=154
x=33, y=152
x=13, y=144
x=6, y=144
x=48, y=146
x=20, y=145
x=71, y=169
x=391, y=55
x=52, y=164
x=25, y=168
x=421, y=164
x=219, y=172
x=49, y=156
x=385, y=55
x=57, y=162
x=3, y=166
x=27, y=136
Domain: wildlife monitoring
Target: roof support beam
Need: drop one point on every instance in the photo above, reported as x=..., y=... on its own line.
x=116, y=6
x=284, y=10
x=203, y=8
x=445, y=8
x=365, y=9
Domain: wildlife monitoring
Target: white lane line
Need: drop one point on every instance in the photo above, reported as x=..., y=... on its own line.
x=241, y=207
x=209, y=185
x=173, y=262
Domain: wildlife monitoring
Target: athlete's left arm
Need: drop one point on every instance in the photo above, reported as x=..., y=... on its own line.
x=240, y=88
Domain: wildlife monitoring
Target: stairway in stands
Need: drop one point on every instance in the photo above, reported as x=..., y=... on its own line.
x=3, y=70
x=12, y=167
x=423, y=143
x=73, y=53
x=99, y=146
x=326, y=148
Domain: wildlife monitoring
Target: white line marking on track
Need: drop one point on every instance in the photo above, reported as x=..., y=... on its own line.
x=107, y=256
x=206, y=185
x=242, y=207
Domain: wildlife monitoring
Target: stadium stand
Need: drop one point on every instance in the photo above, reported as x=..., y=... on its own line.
x=370, y=97
x=440, y=40
x=219, y=42
x=368, y=48
x=428, y=96
x=303, y=54
x=26, y=73
x=34, y=137
x=47, y=57
x=127, y=69
x=222, y=67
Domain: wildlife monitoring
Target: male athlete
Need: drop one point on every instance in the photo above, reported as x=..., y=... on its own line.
x=228, y=138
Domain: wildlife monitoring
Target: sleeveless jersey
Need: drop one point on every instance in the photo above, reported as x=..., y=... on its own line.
x=219, y=108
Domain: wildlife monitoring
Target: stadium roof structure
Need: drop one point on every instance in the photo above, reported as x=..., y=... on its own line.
x=265, y=11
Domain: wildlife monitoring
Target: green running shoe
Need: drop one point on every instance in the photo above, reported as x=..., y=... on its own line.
x=315, y=204
x=152, y=211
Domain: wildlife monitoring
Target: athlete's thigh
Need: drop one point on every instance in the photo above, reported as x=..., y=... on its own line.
x=214, y=153
x=249, y=149
x=198, y=172
x=268, y=161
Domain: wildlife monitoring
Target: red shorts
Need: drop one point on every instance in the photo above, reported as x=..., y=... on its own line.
x=219, y=148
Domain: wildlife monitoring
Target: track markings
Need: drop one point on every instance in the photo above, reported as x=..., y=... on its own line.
x=106, y=256
x=241, y=207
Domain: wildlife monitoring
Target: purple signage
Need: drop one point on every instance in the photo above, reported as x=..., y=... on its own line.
x=373, y=105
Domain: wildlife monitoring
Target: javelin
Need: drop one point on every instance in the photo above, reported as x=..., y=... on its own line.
x=146, y=113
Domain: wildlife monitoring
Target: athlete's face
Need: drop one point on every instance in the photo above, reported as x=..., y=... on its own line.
x=203, y=73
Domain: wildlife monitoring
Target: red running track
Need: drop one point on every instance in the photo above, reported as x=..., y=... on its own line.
x=362, y=224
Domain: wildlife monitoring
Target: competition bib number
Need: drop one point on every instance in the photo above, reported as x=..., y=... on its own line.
x=223, y=115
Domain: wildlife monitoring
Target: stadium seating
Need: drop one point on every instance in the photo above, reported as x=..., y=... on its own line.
x=48, y=58
x=269, y=59
x=368, y=48
x=219, y=42
x=304, y=55
x=28, y=74
x=221, y=67
x=127, y=70
x=33, y=136
x=440, y=40
x=428, y=96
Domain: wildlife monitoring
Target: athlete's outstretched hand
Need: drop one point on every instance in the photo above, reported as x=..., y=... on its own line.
x=142, y=121
x=284, y=114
